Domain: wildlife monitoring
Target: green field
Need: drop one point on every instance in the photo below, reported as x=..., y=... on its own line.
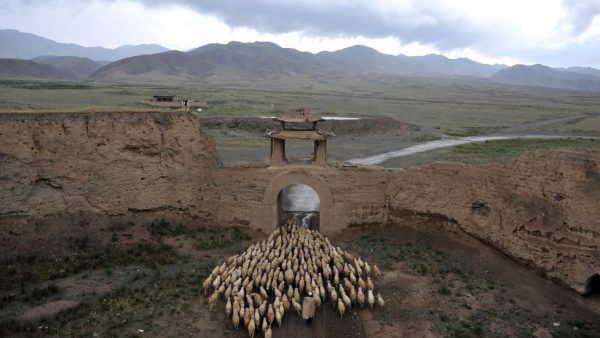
x=493, y=151
x=433, y=107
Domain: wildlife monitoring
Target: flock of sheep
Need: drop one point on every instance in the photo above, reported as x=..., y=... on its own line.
x=263, y=283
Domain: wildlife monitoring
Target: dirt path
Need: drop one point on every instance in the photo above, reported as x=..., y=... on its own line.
x=198, y=321
x=326, y=322
x=451, y=142
x=537, y=126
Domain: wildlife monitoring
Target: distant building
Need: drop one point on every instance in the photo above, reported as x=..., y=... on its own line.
x=170, y=101
x=190, y=102
x=163, y=98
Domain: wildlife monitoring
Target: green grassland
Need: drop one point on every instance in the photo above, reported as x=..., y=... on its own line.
x=434, y=107
x=493, y=151
x=459, y=107
x=581, y=126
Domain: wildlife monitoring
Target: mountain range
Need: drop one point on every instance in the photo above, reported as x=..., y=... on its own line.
x=76, y=67
x=236, y=63
x=19, y=45
x=543, y=76
x=370, y=60
x=17, y=69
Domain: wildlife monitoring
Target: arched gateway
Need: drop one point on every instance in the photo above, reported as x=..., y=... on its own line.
x=272, y=198
x=296, y=193
x=299, y=203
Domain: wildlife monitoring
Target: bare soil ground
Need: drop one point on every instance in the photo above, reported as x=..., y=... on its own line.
x=437, y=282
x=398, y=112
x=441, y=282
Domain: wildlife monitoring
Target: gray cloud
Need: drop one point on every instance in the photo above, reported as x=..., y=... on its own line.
x=420, y=21
x=423, y=21
x=580, y=13
x=573, y=55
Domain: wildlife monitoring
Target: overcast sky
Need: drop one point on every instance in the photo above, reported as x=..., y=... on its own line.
x=552, y=32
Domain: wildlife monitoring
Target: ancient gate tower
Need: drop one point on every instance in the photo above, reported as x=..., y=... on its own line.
x=298, y=125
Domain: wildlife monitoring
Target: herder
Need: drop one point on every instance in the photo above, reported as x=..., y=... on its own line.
x=308, y=308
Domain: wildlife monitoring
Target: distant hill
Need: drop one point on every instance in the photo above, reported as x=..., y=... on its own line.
x=583, y=70
x=369, y=60
x=542, y=76
x=265, y=59
x=217, y=63
x=439, y=64
x=236, y=61
x=17, y=69
x=364, y=59
x=18, y=45
x=79, y=68
x=157, y=67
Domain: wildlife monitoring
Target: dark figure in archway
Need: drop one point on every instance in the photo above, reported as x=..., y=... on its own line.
x=592, y=285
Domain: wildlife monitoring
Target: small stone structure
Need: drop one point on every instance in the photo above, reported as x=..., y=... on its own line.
x=170, y=101
x=163, y=98
x=298, y=125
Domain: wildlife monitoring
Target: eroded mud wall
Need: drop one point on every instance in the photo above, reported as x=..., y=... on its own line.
x=348, y=196
x=64, y=175
x=67, y=174
x=540, y=208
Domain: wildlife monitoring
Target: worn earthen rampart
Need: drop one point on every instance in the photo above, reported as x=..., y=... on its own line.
x=64, y=175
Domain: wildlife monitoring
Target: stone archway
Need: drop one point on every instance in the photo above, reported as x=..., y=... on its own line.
x=592, y=285
x=301, y=203
x=284, y=179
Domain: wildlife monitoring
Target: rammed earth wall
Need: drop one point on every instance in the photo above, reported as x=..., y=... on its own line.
x=65, y=175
